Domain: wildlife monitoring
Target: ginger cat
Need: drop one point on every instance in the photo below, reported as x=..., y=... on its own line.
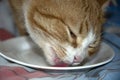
x=68, y=31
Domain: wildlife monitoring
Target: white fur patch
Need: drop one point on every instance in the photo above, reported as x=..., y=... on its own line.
x=81, y=51
x=89, y=39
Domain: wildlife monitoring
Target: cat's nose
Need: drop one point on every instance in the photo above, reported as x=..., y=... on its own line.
x=77, y=59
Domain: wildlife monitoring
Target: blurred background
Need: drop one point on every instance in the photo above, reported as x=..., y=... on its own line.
x=8, y=28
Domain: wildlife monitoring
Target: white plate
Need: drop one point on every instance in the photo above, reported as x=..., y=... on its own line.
x=24, y=51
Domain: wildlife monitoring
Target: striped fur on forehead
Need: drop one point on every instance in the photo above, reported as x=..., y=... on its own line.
x=55, y=21
x=48, y=25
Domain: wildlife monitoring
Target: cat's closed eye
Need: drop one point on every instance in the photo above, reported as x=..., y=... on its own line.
x=72, y=34
x=73, y=39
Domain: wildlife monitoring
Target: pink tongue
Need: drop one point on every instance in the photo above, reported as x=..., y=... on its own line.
x=61, y=65
x=58, y=62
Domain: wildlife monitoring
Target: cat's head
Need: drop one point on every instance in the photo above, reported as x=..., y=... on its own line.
x=67, y=30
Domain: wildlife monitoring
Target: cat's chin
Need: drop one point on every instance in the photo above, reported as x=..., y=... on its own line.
x=55, y=61
x=59, y=63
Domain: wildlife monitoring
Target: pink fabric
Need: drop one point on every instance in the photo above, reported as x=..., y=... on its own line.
x=19, y=73
x=4, y=35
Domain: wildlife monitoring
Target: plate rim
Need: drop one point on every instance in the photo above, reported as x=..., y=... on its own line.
x=57, y=68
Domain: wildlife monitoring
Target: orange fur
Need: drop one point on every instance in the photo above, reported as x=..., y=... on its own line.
x=61, y=22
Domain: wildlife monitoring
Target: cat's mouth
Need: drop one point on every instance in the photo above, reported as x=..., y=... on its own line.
x=61, y=63
x=57, y=61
